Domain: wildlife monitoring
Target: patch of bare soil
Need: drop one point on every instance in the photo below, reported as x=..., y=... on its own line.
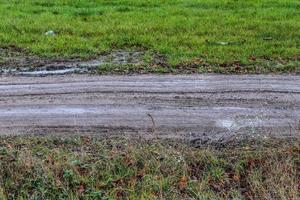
x=14, y=57
x=15, y=61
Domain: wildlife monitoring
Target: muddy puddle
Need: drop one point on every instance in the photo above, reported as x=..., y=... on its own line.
x=19, y=65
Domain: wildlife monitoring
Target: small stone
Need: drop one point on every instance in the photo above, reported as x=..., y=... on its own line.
x=50, y=33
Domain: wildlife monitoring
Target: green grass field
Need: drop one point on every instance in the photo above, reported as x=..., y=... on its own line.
x=89, y=168
x=187, y=32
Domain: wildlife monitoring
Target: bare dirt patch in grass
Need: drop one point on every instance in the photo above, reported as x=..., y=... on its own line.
x=18, y=62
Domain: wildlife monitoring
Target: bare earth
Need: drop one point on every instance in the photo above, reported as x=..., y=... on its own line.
x=196, y=107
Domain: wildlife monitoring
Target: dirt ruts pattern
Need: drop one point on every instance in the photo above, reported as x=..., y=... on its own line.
x=193, y=107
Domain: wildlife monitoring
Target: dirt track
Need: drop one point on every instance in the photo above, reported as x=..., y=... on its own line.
x=205, y=107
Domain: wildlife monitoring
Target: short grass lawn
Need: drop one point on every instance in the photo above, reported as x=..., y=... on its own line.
x=217, y=32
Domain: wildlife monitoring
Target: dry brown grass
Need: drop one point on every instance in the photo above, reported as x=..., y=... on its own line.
x=89, y=168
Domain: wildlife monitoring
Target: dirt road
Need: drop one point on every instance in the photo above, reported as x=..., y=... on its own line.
x=205, y=107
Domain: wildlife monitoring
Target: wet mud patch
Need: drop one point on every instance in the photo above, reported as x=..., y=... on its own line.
x=17, y=62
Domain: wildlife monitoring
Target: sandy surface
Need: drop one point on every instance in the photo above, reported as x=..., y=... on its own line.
x=204, y=107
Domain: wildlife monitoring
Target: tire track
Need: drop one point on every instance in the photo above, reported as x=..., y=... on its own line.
x=204, y=107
